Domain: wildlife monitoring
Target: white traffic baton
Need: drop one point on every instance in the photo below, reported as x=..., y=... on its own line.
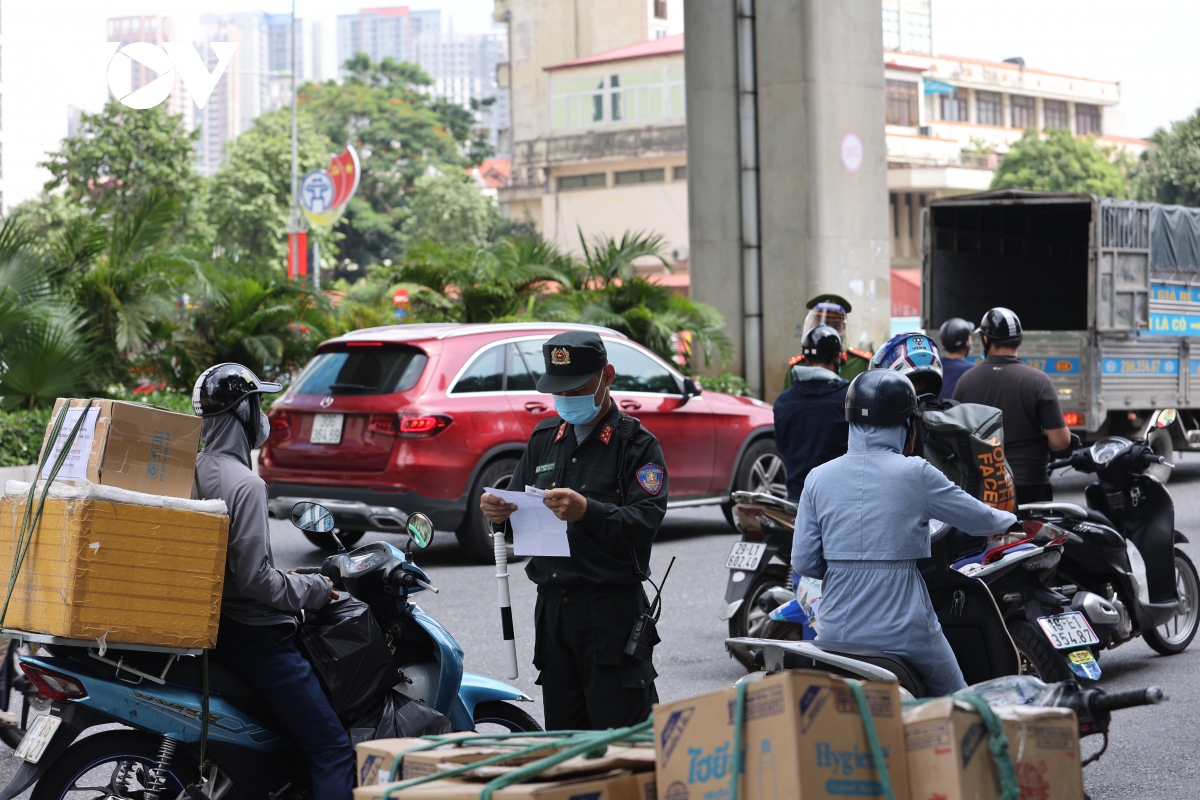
x=506, y=621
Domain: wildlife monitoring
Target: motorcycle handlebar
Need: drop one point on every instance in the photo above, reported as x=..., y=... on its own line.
x=1059, y=464
x=1107, y=703
x=307, y=571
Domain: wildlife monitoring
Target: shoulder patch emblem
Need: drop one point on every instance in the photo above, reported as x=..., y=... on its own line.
x=794, y=360
x=606, y=433
x=651, y=478
x=562, y=430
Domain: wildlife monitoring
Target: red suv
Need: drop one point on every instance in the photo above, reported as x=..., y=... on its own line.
x=422, y=417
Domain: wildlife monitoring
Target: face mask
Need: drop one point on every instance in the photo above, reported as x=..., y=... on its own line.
x=264, y=430
x=577, y=410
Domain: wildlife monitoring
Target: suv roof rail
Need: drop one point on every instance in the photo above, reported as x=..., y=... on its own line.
x=443, y=330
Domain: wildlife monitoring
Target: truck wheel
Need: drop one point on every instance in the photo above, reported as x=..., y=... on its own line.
x=1160, y=442
x=475, y=533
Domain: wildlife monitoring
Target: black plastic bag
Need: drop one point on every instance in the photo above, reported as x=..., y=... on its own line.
x=398, y=717
x=350, y=655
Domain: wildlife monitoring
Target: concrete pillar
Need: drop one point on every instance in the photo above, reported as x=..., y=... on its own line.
x=822, y=161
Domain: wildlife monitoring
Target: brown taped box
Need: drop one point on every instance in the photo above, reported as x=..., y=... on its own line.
x=803, y=739
x=136, y=447
x=948, y=756
x=618, y=785
x=126, y=573
x=376, y=757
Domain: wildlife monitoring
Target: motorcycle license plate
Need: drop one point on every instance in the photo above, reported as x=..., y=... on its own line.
x=326, y=429
x=1068, y=631
x=745, y=555
x=38, y=738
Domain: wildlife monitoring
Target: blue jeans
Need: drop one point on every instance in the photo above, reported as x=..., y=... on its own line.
x=266, y=657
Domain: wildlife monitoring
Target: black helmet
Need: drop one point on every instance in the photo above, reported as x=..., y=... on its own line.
x=219, y=389
x=880, y=397
x=822, y=343
x=955, y=334
x=1001, y=325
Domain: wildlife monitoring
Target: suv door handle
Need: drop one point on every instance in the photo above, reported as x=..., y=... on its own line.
x=536, y=408
x=630, y=405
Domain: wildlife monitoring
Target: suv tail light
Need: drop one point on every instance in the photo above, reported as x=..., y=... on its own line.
x=54, y=685
x=387, y=424
x=281, y=422
x=421, y=427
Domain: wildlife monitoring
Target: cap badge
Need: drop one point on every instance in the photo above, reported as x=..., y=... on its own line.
x=559, y=357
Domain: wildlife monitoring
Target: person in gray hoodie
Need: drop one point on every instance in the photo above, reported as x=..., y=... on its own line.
x=259, y=604
x=863, y=523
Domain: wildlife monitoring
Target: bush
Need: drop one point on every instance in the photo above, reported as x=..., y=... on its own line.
x=21, y=435
x=726, y=382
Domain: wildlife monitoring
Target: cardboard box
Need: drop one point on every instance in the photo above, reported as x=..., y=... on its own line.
x=129, y=446
x=619, y=785
x=99, y=566
x=375, y=758
x=803, y=739
x=948, y=756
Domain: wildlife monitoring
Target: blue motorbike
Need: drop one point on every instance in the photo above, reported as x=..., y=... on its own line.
x=157, y=698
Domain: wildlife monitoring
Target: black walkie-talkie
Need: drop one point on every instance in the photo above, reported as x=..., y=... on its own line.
x=645, y=630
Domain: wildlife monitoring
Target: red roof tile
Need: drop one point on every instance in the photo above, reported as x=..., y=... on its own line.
x=667, y=45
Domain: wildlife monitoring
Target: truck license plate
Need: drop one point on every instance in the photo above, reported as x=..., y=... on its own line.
x=38, y=738
x=1069, y=631
x=326, y=429
x=745, y=555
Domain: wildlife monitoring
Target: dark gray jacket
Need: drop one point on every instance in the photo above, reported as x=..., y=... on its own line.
x=256, y=593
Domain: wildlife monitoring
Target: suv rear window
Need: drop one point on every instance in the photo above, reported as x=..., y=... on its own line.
x=363, y=370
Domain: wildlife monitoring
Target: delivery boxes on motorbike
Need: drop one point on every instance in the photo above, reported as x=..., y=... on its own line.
x=948, y=755
x=803, y=739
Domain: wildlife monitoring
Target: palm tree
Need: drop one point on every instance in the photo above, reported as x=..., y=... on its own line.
x=606, y=259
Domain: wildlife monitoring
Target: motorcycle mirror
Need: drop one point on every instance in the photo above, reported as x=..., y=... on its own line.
x=312, y=517
x=420, y=530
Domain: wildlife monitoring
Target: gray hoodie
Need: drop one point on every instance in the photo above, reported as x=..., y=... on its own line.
x=256, y=593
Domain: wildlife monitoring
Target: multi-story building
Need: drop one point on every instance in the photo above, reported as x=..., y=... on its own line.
x=380, y=32
x=280, y=29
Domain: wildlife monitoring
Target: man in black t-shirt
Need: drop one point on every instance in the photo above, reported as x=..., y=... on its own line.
x=1033, y=420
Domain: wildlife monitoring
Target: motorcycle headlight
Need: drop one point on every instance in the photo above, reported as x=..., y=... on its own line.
x=1107, y=449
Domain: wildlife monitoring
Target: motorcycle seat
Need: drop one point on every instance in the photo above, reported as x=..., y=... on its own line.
x=225, y=683
x=876, y=657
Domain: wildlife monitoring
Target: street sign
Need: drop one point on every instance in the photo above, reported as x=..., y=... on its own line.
x=324, y=193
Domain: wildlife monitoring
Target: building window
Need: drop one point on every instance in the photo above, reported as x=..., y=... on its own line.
x=660, y=9
x=679, y=174
x=954, y=106
x=918, y=37
x=893, y=201
x=1087, y=119
x=989, y=108
x=639, y=176
x=577, y=102
x=891, y=29
x=1024, y=112
x=595, y=180
x=1056, y=114
x=902, y=103
x=638, y=95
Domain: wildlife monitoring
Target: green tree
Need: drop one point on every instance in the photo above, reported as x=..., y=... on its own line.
x=123, y=153
x=1169, y=169
x=1056, y=161
x=447, y=207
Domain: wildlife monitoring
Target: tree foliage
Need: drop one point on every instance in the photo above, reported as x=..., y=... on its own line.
x=447, y=207
x=1056, y=161
x=1169, y=169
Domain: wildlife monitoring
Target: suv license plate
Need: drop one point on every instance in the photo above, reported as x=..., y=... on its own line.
x=745, y=555
x=1069, y=631
x=38, y=738
x=326, y=429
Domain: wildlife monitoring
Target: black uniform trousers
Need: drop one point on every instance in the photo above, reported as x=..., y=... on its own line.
x=588, y=683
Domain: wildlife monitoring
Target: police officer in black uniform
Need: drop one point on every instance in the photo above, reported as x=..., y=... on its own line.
x=603, y=473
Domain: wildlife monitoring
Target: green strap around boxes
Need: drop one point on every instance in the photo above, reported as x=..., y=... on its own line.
x=30, y=519
x=997, y=741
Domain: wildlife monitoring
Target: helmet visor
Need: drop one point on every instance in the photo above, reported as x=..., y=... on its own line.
x=826, y=314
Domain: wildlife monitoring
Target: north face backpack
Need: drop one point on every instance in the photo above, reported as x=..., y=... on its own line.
x=966, y=444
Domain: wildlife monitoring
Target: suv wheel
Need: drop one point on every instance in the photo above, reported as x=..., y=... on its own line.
x=475, y=533
x=761, y=470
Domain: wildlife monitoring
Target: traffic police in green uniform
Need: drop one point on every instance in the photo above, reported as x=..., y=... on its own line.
x=831, y=310
x=602, y=473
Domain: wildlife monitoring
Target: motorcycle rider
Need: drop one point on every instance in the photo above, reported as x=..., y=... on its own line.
x=916, y=357
x=258, y=624
x=1033, y=419
x=866, y=549
x=830, y=310
x=955, y=339
x=810, y=415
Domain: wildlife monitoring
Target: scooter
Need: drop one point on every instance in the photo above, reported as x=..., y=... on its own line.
x=759, y=565
x=159, y=696
x=1121, y=550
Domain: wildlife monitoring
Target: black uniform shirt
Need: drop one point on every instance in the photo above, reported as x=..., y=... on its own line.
x=600, y=542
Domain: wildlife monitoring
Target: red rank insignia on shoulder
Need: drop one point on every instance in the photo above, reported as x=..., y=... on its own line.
x=606, y=434
x=562, y=429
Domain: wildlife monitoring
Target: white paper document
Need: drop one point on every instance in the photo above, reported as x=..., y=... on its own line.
x=77, y=460
x=536, y=531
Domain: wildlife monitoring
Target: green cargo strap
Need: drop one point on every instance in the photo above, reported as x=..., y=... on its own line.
x=739, y=713
x=997, y=745
x=864, y=711
x=30, y=518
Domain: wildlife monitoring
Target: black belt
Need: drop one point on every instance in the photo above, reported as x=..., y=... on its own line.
x=584, y=592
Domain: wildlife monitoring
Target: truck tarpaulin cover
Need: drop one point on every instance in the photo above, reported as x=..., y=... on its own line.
x=349, y=653
x=1174, y=239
